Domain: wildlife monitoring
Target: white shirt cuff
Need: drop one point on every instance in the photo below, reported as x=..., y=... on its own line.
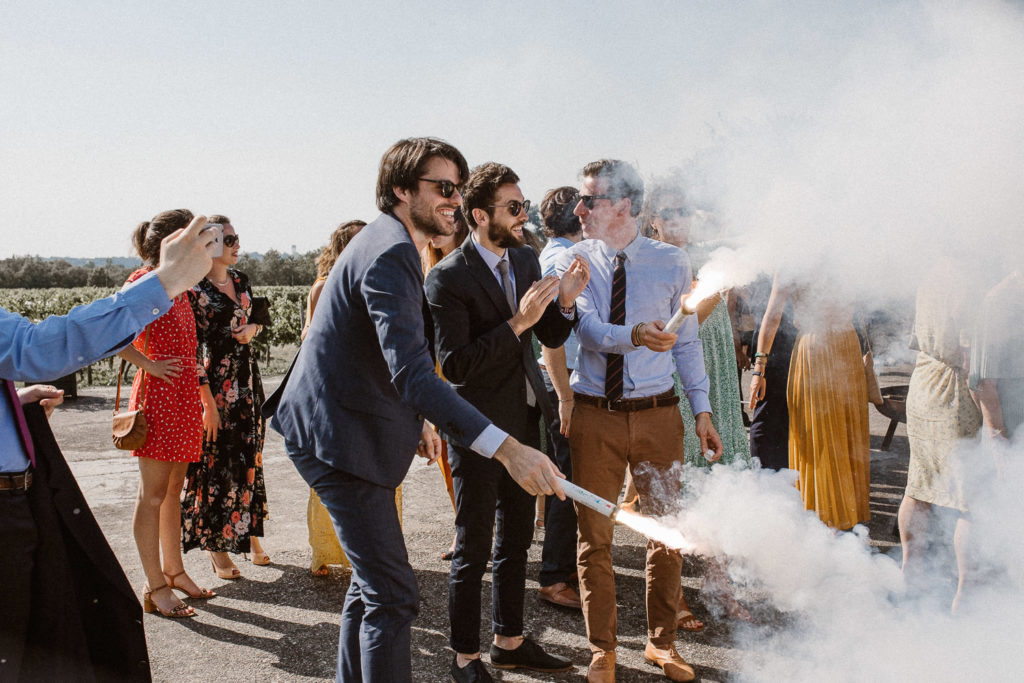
x=489, y=441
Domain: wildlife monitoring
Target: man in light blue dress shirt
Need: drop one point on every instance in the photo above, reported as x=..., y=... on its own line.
x=558, y=558
x=625, y=411
x=52, y=348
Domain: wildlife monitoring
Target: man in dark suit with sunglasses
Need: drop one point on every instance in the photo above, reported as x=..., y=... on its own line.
x=351, y=408
x=487, y=300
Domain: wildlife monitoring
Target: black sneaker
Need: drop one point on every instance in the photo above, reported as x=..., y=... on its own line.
x=529, y=655
x=474, y=672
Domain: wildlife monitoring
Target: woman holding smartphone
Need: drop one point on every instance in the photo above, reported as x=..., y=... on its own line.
x=225, y=500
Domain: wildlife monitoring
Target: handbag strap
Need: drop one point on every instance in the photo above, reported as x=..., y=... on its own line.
x=142, y=384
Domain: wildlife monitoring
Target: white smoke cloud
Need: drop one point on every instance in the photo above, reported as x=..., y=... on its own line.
x=845, y=615
x=914, y=151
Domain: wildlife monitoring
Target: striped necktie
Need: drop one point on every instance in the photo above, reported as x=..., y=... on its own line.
x=616, y=316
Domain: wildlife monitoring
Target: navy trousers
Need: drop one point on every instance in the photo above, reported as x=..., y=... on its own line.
x=558, y=557
x=382, y=600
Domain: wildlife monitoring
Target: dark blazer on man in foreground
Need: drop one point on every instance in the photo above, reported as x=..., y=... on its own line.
x=364, y=378
x=479, y=353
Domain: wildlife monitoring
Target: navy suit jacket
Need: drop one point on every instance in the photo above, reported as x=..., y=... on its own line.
x=364, y=378
x=480, y=354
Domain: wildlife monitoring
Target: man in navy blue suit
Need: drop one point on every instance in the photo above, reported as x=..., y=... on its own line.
x=351, y=409
x=487, y=300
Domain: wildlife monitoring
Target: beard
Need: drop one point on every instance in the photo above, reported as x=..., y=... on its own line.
x=428, y=221
x=502, y=235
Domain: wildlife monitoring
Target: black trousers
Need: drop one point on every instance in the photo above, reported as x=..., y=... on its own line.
x=488, y=503
x=18, y=541
x=558, y=558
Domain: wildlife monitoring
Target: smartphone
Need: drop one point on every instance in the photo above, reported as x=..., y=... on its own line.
x=216, y=248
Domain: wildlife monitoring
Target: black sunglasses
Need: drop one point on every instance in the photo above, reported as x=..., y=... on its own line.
x=447, y=187
x=514, y=206
x=589, y=199
x=230, y=240
x=669, y=214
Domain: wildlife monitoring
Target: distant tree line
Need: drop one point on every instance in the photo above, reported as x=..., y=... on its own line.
x=275, y=268
x=31, y=272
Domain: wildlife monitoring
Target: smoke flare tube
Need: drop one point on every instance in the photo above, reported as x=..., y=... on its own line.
x=590, y=500
x=676, y=321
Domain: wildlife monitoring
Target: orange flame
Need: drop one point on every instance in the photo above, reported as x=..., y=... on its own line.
x=654, y=530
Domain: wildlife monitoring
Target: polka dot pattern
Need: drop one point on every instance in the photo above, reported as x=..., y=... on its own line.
x=173, y=411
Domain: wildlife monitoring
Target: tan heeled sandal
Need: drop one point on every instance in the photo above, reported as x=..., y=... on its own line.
x=260, y=559
x=230, y=573
x=203, y=594
x=179, y=611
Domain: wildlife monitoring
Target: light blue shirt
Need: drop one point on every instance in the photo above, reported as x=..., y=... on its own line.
x=657, y=275
x=60, y=345
x=555, y=247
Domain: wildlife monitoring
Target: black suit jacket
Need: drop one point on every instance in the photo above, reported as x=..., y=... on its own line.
x=86, y=623
x=479, y=353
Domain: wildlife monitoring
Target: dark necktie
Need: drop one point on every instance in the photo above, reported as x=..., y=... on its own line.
x=19, y=415
x=510, y=297
x=506, y=284
x=616, y=316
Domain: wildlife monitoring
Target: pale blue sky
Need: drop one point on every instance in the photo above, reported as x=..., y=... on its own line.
x=277, y=113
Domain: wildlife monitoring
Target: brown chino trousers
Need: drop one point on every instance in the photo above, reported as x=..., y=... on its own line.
x=603, y=444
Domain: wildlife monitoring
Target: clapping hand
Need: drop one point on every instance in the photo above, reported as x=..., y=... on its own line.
x=574, y=280
x=534, y=302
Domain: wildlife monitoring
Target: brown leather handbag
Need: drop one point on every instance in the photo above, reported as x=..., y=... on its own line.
x=129, y=429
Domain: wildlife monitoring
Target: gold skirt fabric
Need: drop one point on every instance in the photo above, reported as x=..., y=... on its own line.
x=322, y=537
x=829, y=437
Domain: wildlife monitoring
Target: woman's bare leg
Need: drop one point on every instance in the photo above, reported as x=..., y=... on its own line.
x=964, y=564
x=153, y=480
x=170, y=529
x=913, y=521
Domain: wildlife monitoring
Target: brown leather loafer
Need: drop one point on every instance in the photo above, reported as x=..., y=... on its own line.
x=561, y=594
x=602, y=668
x=670, y=661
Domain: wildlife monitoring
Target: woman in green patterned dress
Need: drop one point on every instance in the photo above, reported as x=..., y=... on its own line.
x=668, y=217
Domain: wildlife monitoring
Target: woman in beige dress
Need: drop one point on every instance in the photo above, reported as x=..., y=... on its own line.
x=940, y=415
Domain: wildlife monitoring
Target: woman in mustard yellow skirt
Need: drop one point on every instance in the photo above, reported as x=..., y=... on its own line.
x=829, y=436
x=323, y=540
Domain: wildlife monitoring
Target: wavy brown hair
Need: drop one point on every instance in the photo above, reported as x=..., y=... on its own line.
x=340, y=238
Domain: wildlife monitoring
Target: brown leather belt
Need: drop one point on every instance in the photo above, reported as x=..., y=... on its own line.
x=16, y=483
x=629, y=405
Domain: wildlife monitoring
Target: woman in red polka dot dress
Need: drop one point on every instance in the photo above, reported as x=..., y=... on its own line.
x=166, y=352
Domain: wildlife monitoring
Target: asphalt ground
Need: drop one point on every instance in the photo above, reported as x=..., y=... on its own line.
x=279, y=623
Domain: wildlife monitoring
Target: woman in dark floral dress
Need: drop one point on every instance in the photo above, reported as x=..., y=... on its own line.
x=225, y=500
